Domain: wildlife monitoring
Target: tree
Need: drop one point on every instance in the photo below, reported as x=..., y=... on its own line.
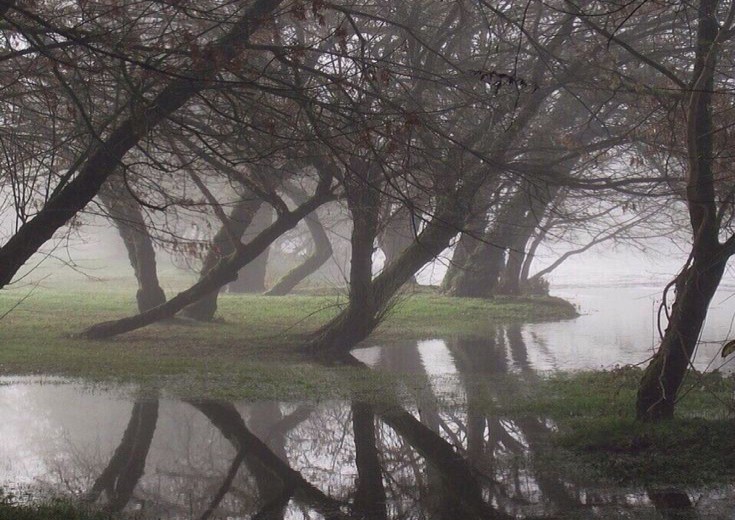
x=697, y=282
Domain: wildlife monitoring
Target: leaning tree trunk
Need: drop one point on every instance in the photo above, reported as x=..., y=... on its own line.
x=360, y=317
x=660, y=383
x=357, y=321
x=128, y=218
x=223, y=244
x=482, y=269
x=251, y=278
x=512, y=278
x=465, y=245
x=698, y=281
x=321, y=252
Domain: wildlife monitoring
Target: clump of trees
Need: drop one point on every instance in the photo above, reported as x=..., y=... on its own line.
x=480, y=129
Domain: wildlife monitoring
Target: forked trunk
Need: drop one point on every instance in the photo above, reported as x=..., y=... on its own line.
x=223, y=244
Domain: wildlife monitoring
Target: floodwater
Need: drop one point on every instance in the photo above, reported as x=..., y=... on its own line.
x=165, y=458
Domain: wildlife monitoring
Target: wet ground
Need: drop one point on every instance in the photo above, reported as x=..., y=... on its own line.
x=201, y=459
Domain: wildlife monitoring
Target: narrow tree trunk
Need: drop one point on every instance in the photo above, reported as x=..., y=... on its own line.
x=128, y=219
x=360, y=317
x=251, y=278
x=321, y=252
x=357, y=321
x=223, y=244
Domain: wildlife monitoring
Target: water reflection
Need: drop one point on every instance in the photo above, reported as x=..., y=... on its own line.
x=206, y=458
x=617, y=327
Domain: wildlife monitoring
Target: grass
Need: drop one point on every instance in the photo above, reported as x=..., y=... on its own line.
x=598, y=439
x=251, y=351
x=54, y=509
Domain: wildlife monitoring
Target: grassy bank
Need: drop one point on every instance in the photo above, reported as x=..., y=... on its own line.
x=597, y=439
x=251, y=351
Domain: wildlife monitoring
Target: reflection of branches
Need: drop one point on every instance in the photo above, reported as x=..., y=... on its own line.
x=225, y=417
x=457, y=474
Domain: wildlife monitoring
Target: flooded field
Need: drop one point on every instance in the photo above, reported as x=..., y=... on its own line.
x=161, y=457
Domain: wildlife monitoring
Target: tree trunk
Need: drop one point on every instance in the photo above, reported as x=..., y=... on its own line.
x=698, y=281
x=356, y=322
x=465, y=245
x=512, y=279
x=223, y=245
x=481, y=272
x=363, y=200
x=398, y=233
x=660, y=383
x=251, y=278
x=128, y=219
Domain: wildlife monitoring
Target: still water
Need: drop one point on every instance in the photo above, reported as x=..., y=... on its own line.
x=160, y=457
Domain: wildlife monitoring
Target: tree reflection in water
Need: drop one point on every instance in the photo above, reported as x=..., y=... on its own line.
x=206, y=459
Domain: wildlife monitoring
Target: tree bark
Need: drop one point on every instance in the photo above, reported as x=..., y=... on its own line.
x=511, y=280
x=466, y=243
x=482, y=269
x=223, y=244
x=662, y=378
x=128, y=218
x=398, y=233
x=70, y=198
x=356, y=322
x=251, y=278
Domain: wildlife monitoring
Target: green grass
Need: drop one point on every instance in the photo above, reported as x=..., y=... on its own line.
x=599, y=440
x=251, y=351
